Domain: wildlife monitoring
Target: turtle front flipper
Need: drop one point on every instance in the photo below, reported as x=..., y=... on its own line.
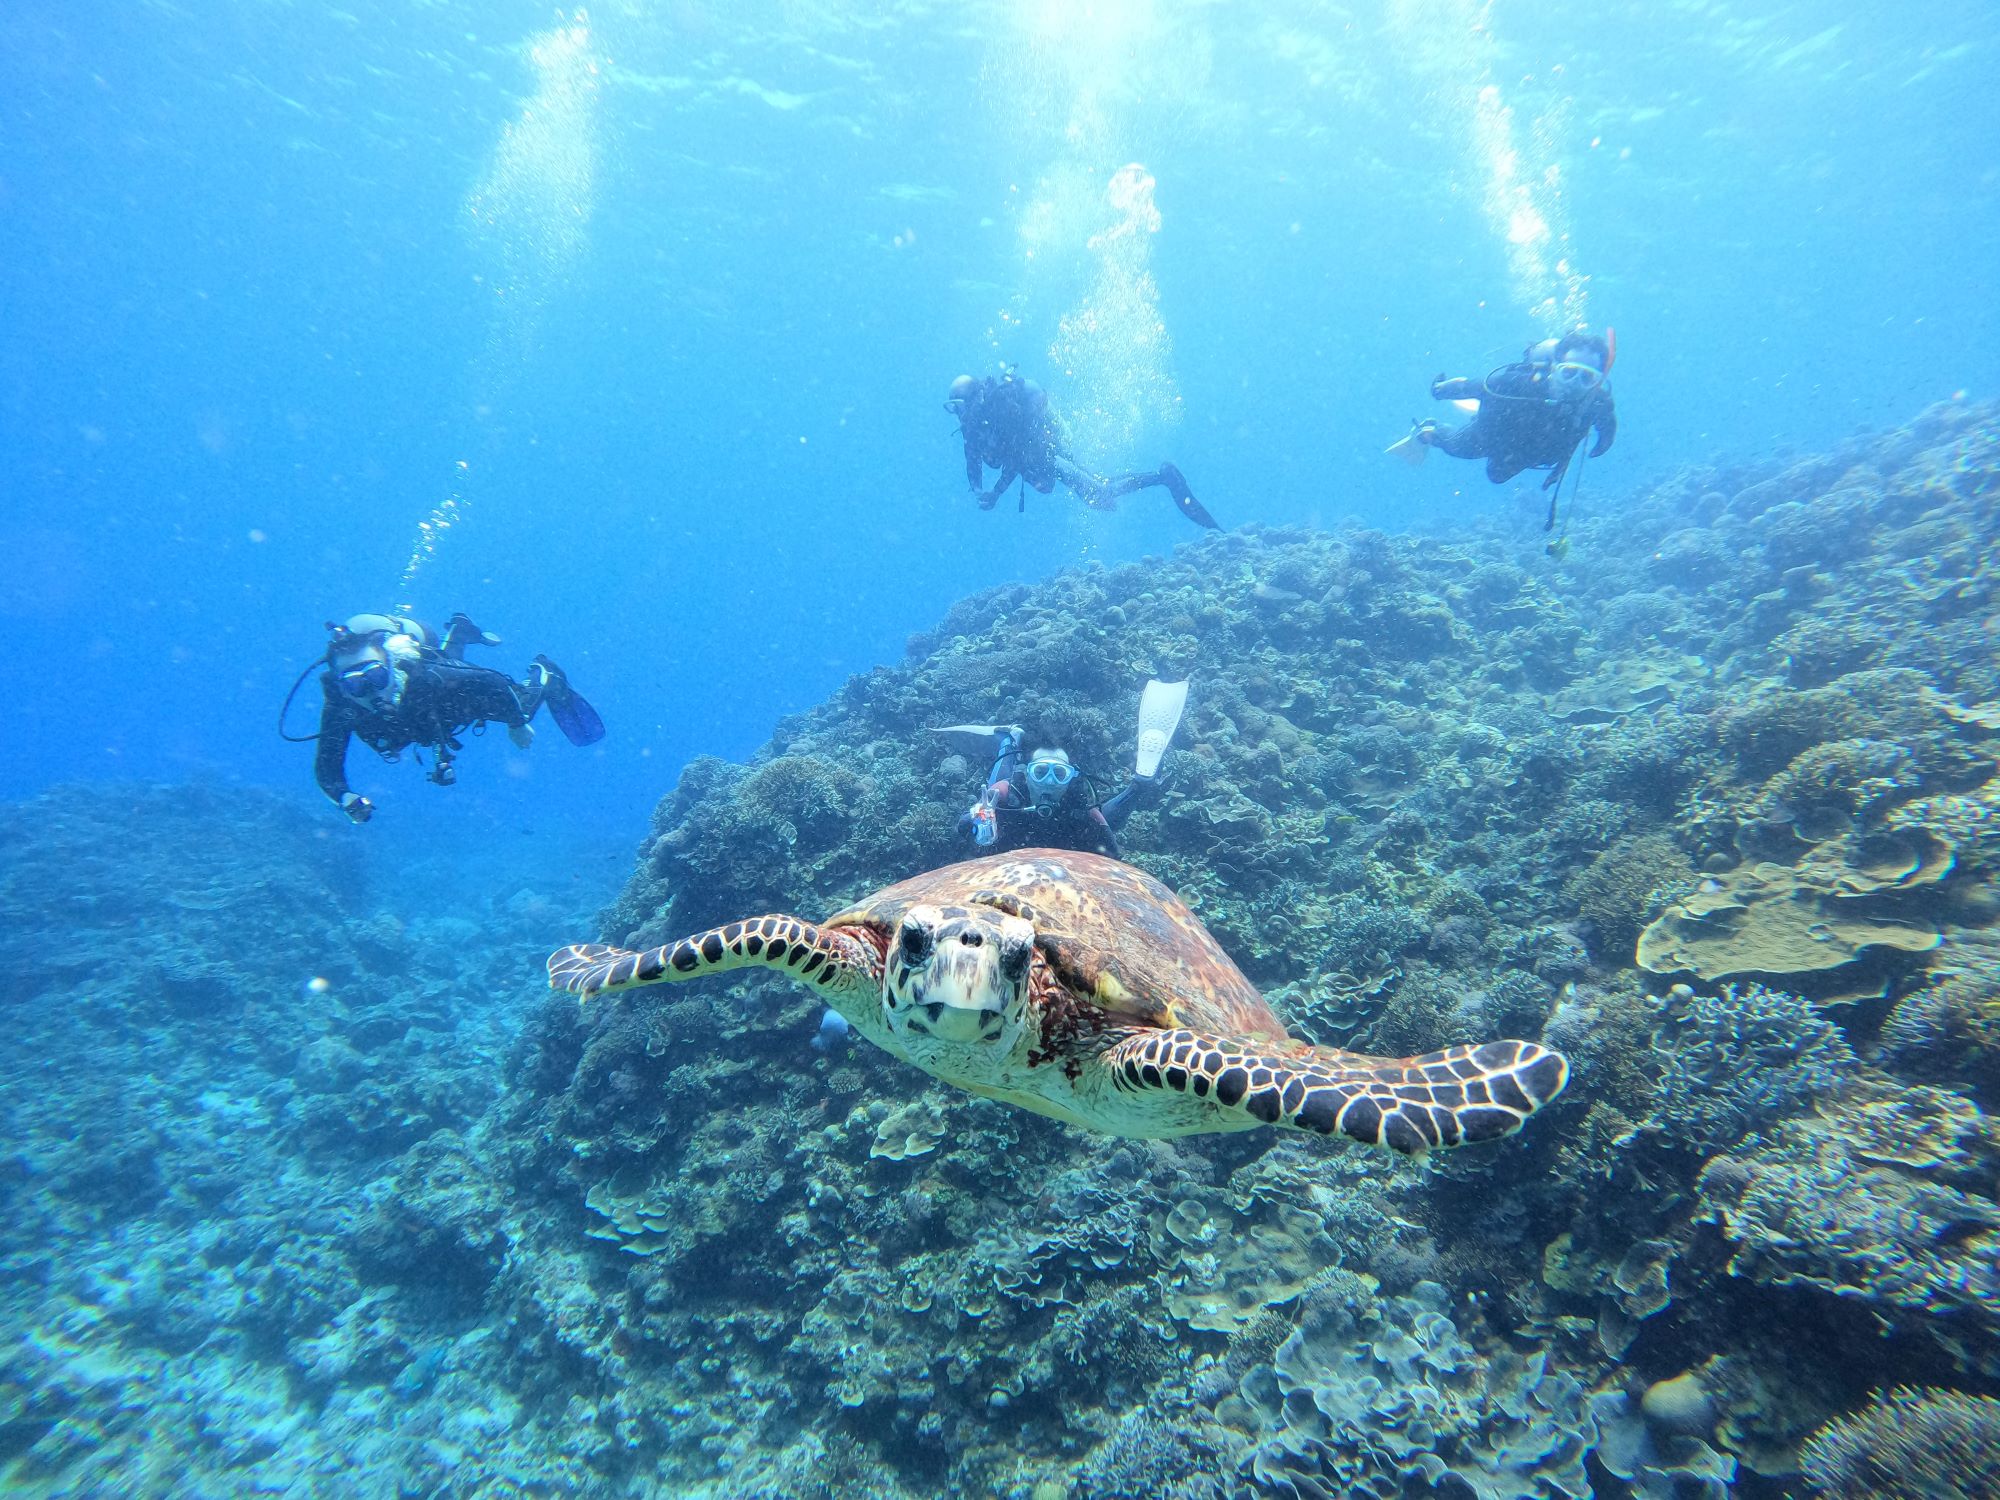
x=1409, y=1104
x=820, y=958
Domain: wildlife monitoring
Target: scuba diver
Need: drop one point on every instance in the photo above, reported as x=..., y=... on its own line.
x=1044, y=800
x=1008, y=425
x=1533, y=414
x=391, y=682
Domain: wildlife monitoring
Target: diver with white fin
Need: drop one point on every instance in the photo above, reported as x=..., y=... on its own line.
x=392, y=682
x=1532, y=414
x=1044, y=800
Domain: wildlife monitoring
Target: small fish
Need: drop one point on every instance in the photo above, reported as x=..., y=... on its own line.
x=416, y=1376
x=833, y=1029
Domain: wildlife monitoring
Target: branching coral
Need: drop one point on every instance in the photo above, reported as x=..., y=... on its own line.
x=1739, y=1060
x=1910, y=1445
x=1617, y=891
x=1860, y=1203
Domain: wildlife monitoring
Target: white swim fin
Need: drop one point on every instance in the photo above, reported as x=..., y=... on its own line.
x=1411, y=450
x=1160, y=709
x=977, y=739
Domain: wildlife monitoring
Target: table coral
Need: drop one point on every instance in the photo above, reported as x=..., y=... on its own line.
x=1771, y=920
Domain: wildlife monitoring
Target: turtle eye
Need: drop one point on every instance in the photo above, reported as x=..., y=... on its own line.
x=915, y=939
x=1014, y=955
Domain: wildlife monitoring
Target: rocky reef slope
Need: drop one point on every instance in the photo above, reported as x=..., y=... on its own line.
x=1709, y=802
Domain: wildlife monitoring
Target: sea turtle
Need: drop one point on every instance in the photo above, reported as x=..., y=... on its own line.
x=1081, y=988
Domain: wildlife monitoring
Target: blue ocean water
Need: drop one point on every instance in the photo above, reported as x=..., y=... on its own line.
x=628, y=332
x=667, y=296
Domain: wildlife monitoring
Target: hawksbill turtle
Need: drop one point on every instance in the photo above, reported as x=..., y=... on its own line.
x=1083, y=989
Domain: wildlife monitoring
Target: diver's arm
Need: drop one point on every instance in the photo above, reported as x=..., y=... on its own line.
x=1006, y=759
x=975, y=466
x=330, y=758
x=1605, y=420
x=990, y=498
x=1462, y=388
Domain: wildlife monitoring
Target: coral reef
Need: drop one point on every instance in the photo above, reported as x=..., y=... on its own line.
x=1383, y=1396
x=1910, y=1445
x=252, y=1237
x=1741, y=1060
x=329, y=1186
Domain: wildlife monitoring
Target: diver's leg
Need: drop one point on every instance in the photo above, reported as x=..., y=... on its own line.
x=1087, y=487
x=1501, y=468
x=460, y=632
x=1460, y=442
x=1124, y=484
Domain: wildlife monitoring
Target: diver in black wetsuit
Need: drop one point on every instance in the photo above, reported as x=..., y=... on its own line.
x=392, y=684
x=1532, y=414
x=1044, y=802
x=1007, y=425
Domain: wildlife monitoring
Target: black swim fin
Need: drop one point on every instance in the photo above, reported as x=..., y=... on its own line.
x=576, y=718
x=1193, y=509
x=573, y=714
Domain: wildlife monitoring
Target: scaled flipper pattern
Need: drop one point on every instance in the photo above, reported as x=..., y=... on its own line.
x=810, y=955
x=1446, y=1098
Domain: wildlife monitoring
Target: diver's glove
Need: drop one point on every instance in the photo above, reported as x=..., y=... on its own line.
x=357, y=807
x=987, y=498
x=521, y=734
x=1437, y=385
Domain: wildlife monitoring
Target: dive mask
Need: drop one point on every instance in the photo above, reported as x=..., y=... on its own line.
x=367, y=679
x=1573, y=378
x=1048, y=780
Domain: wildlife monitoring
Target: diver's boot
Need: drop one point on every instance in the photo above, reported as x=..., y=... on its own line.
x=460, y=632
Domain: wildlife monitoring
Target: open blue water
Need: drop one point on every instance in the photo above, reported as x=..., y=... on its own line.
x=668, y=296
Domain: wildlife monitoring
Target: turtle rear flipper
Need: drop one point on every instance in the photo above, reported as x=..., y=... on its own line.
x=1409, y=1104
x=821, y=959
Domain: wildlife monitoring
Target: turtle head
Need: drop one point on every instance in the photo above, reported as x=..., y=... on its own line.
x=957, y=974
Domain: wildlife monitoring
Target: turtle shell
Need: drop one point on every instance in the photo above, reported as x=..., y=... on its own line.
x=1112, y=934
